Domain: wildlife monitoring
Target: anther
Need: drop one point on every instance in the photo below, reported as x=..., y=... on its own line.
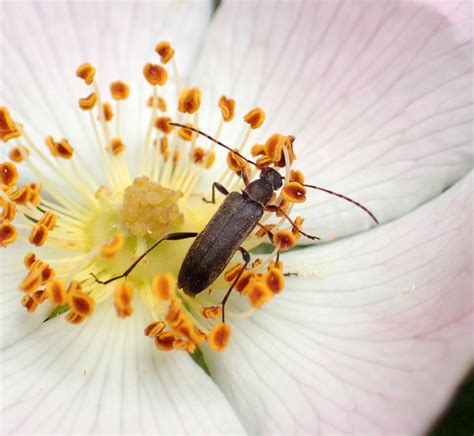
x=289, y=140
x=49, y=220
x=274, y=147
x=8, y=129
x=155, y=74
x=79, y=301
x=294, y=192
x=160, y=103
x=110, y=248
x=119, y=90
x=31, y=282
x=123, y=300
x=74, y=317
x=29, y=303
x=21, y=195
x=8, y=234
x=9, y=174
x=255, y=118
x=29, y=259
x=227, y=107
x=165, y=341
x=257, y=150
x=8, y=212
x=56, y=293
x=116, y=146
x=165, y=51
x=18, y=154
x=219, y=336
x=154, y=329
x=161, y=123
x=108, y=112
x=86, y=72
x=211, y=312
x=185, y=134
x=284, y=240
x=189, y=100
x=163, y=287
x=235, y=162
x=88, y=103
x=39, y=296
x=258, y=294
x=38, y=235
x=275, y=280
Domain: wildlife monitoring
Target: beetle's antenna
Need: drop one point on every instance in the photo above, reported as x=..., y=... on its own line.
x=216, y=141
x=350, y=200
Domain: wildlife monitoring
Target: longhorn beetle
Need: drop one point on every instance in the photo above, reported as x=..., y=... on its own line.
x=236, y=218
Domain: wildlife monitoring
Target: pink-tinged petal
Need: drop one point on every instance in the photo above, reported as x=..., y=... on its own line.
x=378, y=95
x=371, y=338
x=42, y=44
x=106, y=377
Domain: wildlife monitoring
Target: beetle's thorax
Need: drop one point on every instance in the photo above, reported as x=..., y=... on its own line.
x=260, y=190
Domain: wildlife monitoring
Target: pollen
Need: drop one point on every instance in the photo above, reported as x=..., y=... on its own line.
x=165, y=51
x=123, y=300
x=255, y=118
x=119, y=90
x=235, y=162
x=9, y=174
x=219, y=337
x=189, y=100
x=88, y=103
x=294, y=192
x=155, y=74
x=86, y=72
x=211, y=312
x=227, y=107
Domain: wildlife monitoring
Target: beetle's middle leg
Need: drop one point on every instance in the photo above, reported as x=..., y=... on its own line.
x=246, y=257
x=275, y=208
x=220, y=188
x=170, y=237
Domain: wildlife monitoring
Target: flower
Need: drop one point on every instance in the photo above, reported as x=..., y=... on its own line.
x=374, y=333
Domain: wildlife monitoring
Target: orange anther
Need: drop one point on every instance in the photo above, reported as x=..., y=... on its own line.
x=264, y=161
x=21, y=195
x=294, y=192
x=284, y=240
x=38, y=235
x=219, y=336
x=155, y=74
x=235, y=162
x=274, y=147
x=17, y=154
x=255, y=118
x=275, y=280
x=111, y=247
x=296, y=176
x=35, y=198
x=154, y=329
x=79, y=301
x=8, y=212
x=119, y=90
x=257, y=150
x=29, y=303
x=245, y=279
x=258, y=294
x=86, y=72
x=8, y=129
x=56, y=292
x=31, y=282
x=123, y=300
x=8, y=234
x=160, y=103
x=163, y=286
x=164, y=146
x=88, y=103
x=185, y=134
x=165, y=51
x=161, y=123
x=232, y=272
x=262, y=231
x=39, y=296
x=198, y=155
x=116, y=146
x=284, y=206
x=211, y=312
x=227, y=107
x=60, y=149
x=8, y=173
x=108, y=112
x=165, y=341
x=74, y=317
x=47, y=274
x=298, y=226
x=189, y=100
x=49, y=220
x=292, y=156
x=29, y=259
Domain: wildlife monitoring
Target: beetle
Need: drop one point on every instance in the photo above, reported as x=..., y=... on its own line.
x=238, y=215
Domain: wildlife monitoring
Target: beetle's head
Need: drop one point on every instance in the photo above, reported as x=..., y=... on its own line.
x=273, y=177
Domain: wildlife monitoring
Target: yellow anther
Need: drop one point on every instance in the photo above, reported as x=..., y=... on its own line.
x=187, y=328
x=219, y=336
x=165, y=51
x=8, y=129
x=39, y=296
x=88, y=103
x=186, y=134
x=47, y=273
x=298, y=226
x=284, y=240
x=110, y=248
x=227, y=107
x=164, y=287
x=296, y=176
x=78, y=300
x=155, y=74
x=257, y=150
x=31, y=282
x=164, y=146
x=56, y=292
x=294, y=192
x=245, y=279
x=29, y=259
x=35, y=186
x=38, y=235
x=198, y=155
x=258, y=294
x=35, y=198
x=60, y=149
x=275, y=280
x=232, y=272
x=21, y=195
x=17, y=154
x=116, y=146
x=119, y=90
x=86, y=72
x=123, y=300
x=154, y=329
x=264, y=161
x=9, y=174
x=161, y=123
x=8, y=234
x=189, y=100
x=160, y=103
x=211, y=312
x=235, y=162
x=29, y=303
x=255, y=118
x=74, y=317
x=165, y=341
x=274, y=147
x=49, y=220
x=108, y=112
x=289, y=146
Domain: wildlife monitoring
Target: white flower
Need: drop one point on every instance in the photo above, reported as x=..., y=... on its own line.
x=375, y=332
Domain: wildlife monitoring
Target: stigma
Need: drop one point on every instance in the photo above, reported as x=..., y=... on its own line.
x=84, y=228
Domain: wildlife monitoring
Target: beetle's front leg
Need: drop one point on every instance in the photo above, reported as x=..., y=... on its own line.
x=220, y=188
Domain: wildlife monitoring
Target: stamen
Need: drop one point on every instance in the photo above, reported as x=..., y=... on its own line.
x=164, y=287
x=154, y=329
x=8, y=234
x=294, y=192
x=29, y=303
x=165, y=341
x=108, y=112
x=116, y=146
x=19, y=153
x=274, y=279
x=9, y=174
x=284, y=240
x=8, y=129
x=88, y=103
x=227, y=107
x=189, y=100
x=56, y=293
x=255, y=118
x=161, y=123
x=86, y=72
x=155, y=74
x=109, y=249
x=119, y=90
x=219, y=336
x=165, y=51
x=123, y=300
x=79, y=302
x=259, y=294
x=38, y=235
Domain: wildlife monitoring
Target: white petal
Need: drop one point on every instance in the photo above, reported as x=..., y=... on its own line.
x=42, y=44
x=377, y=94
x=106, y=377
x=371, y=338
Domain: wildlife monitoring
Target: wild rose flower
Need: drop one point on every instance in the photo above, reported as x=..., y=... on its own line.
x=374, y=332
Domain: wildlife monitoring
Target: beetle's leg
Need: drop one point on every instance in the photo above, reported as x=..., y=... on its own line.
x=220, y=188
x=275, y=208
x=269, y=233
x=245, y=177
x=246, y=257
x=170, y=237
